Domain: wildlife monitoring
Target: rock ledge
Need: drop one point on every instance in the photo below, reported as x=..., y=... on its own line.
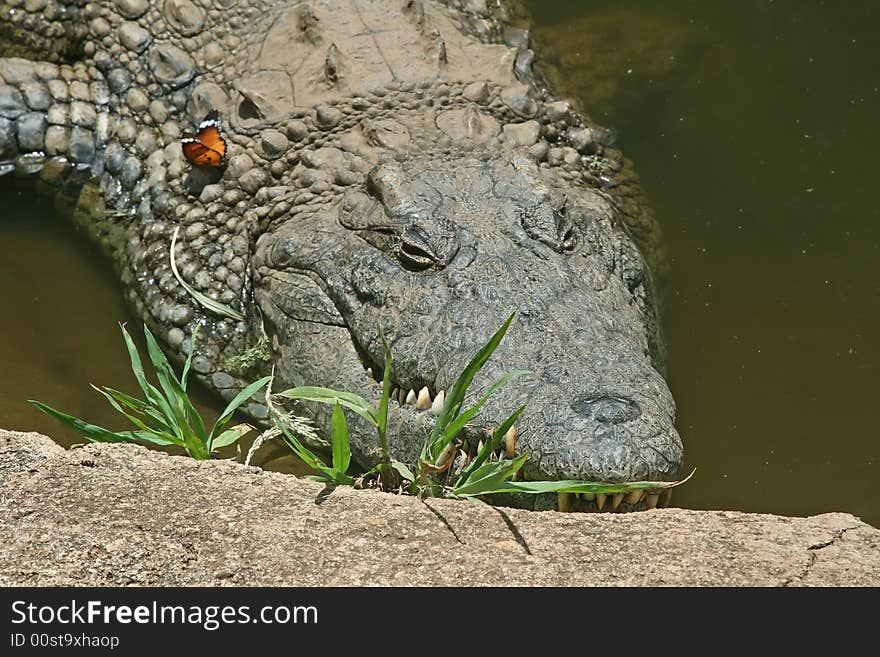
x=109, y=515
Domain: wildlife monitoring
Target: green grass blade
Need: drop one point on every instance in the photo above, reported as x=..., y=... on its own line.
x=489, y=447
x=195, y=447
x=386, y=473
x=117, y=400
x=403, y=471
x=132, y=403
x=233, y=405
x=158, y=358
x=382, y=415
x=341, y=449
x=574, y=486
x=90, y=431
x=230, y=436
x=457, y=424
x=137, y=367
x=246, y=393
x=179, y=414
x=185, y=413
x=302, y=452
x=328, y=474
x=214, y=306
x=152, y=395
x=139, y=407
x=490, y=477
x=305, y=454
x=153, y=438
x=329, y=396
x=136, y=421
x=188, y=363
x=455, y=395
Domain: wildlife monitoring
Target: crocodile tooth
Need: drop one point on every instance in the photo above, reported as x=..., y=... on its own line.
x=651, y=500
x=600, y=500
x=665, y=498
x=563, y=501
x=437, y=406
x=394, y=394
x=589, y=497
x=510, y=442
x=401, y=396
x=424, y=400
x=370, y=372
x=634, y=497
x=411, y=397
x=616, y=499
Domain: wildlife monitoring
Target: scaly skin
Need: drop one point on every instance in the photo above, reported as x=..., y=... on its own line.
x=392, y=164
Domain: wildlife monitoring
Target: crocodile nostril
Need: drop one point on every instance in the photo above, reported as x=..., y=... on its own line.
x=568, y=239
x=565, y=231
x=607, y=409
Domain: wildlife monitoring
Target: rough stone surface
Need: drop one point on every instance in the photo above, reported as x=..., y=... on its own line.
x=103, y=515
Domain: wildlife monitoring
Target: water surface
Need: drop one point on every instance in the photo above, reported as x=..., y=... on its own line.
x=753, y=126
x=59, y=328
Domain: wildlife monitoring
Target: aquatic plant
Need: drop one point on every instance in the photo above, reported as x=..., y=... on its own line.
x=166, y=416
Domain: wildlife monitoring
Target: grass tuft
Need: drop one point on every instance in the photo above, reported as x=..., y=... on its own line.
x=166, y=415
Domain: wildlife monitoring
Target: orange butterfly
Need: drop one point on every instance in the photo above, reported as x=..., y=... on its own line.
x=207, y=148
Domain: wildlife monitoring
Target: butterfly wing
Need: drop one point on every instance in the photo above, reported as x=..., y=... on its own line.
x=199, y=154
x=212, y=139
x=207, y=148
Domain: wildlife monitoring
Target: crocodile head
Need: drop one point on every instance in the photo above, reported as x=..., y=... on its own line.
x=393, y=168
x=438, y=250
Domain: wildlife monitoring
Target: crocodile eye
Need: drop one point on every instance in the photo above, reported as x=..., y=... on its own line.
x=416, y=238
x=413, y=257
x=414, y=251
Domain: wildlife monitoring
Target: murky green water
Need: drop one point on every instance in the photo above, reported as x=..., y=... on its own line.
x=59, y=332
x=59, y=329
x=62, y=305
x=753, y=126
